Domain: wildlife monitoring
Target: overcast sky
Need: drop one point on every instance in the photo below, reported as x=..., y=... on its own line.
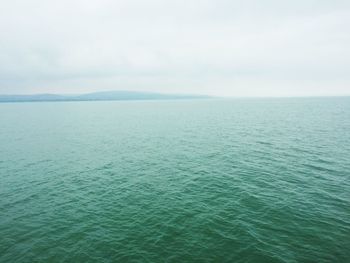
x=216, y=47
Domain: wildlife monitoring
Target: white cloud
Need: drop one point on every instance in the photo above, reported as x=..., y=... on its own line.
x=234, y=48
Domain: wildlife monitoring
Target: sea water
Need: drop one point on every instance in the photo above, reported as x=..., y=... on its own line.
x=241, y=180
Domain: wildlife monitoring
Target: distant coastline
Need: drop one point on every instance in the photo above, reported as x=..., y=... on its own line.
x=98, y=96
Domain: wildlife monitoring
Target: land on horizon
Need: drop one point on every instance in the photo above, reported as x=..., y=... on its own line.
x=99, y=96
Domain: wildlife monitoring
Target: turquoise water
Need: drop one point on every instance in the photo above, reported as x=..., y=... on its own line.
x=245, y=180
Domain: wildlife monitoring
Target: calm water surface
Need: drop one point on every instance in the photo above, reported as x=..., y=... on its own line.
x=246, y=180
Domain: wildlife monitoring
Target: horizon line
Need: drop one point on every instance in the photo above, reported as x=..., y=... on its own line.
x=179, y=94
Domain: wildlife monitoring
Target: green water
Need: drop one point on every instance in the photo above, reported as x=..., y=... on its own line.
x=246, y=180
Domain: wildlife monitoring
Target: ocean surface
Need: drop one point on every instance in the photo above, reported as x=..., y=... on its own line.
x=241, y=180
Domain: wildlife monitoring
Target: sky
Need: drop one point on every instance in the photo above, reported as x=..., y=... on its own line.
x=214, y=47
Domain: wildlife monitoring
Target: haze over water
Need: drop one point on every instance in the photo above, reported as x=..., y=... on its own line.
x=244, y=180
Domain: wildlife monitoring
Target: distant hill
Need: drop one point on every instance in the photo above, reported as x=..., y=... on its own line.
x=98, y=96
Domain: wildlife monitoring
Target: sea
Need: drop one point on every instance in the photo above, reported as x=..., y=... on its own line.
x=206, y=180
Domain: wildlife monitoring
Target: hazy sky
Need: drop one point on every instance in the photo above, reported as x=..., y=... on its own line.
x=218, y=47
